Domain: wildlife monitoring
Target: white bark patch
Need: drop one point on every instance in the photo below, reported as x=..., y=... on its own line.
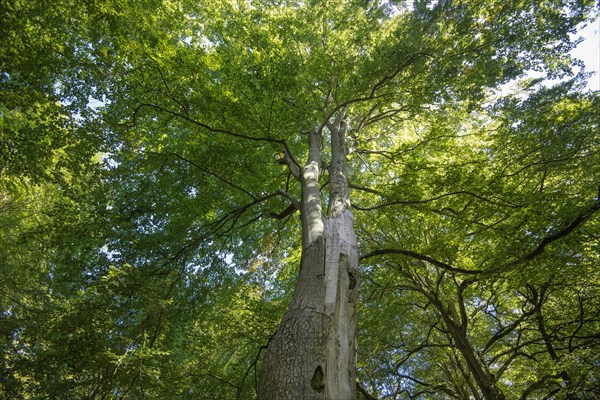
x=312, y=203
x=340, y=243
x=332, y=261
x=341, y=261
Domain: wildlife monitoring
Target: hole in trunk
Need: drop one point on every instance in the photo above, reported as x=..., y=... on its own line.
x=317, y=382
x=352, y=279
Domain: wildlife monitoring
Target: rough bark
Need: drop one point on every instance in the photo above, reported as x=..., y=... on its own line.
x=312, y=355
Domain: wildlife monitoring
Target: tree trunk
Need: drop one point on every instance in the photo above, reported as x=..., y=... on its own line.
x=312, y=355
x=457, y=328
x=485, y=380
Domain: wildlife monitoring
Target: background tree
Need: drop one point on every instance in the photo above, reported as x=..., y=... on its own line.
x=524, y=240
x=168, y=273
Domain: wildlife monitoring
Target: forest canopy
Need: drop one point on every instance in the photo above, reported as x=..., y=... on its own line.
x=199, y=198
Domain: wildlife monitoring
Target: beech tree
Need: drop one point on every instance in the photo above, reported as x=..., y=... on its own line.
x=488, y=335
x=218, y=189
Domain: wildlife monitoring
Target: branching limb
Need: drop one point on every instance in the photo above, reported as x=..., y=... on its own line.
x=378, y=85
x=536, y=301
x=293, y=207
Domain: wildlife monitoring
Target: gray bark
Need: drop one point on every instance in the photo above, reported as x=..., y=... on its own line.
x=312, y=355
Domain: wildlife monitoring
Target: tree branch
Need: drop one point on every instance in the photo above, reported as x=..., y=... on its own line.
x=293, y=165
x=421, y=257
x=253, y=364
x=553, y=237
x=423, y=201
x=196, y=165
x=395, y=73
x=292, y=208
x=208, y=127
x=364, y=392
x=378, y=85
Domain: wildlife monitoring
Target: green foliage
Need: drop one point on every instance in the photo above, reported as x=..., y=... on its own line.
x=149, y=236
x=504, y=197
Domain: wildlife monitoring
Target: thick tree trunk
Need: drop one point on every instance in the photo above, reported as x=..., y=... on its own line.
x=312, y=355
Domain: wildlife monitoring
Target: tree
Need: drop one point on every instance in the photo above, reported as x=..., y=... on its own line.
x=222, y=122
x=487, y=329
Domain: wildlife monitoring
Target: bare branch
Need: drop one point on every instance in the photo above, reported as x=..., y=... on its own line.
x=378, y=85
x=208, y=127
x=252, y=365
x=293, y=165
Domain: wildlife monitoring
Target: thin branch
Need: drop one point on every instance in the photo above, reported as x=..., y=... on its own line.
x=169, y=92
x=253, y=364
x=364, y=189
x=387, y=154
x=213, y=228
x=421, y=257
x=378, y=85
x=424, y=201
x=553, y=237
x=383, y=115
x=395, y=73
x=187, y=160
x=208, y=127
x=293, y=164
x=536, y=385
x=503, y=331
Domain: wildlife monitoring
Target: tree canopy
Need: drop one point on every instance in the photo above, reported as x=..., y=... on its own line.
x=151, y=193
